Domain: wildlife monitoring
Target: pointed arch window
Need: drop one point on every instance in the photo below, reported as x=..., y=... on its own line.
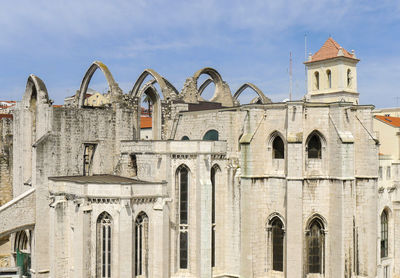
x=278, y=148
x=316, y=80
x=183, y=179
x=104, y=245
x=329, y=78
x=185, y=138
x=277, y=243
x=314, y=147
x=384, y=235
x=315, y=246
x=141, y=244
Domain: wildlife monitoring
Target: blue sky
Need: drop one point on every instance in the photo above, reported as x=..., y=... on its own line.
x=246, y=41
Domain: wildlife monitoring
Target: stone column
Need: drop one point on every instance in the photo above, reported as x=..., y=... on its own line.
x=160, y=228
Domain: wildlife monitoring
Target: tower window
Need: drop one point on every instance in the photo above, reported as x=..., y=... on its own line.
x=314, y=147
x=329, y=77
x=277, y=244
x=384, y=235
x=315, y=245
x=349, y=78
x=316, y=80
x=278, y=148
x=104, y=223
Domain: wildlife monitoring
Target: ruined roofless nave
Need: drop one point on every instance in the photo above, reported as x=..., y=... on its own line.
x=221, y=189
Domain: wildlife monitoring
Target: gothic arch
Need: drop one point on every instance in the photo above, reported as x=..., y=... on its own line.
x=168, y=91
x=317, y=217
x=262, y=97
x=114, y=89
x=151, y=91
x=35, y=88
x=205, y=84
x=222, y=92
x=319, y=134
x=271, y=218
x=273, y=135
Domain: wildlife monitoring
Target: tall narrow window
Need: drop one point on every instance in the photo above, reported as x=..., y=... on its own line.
x=388, y=173
x=329, y=78
x=213, y=174
x=183, y=217
x=315, y=246
x=384, y=235
x=88, y=158
x=316, y=80
x=348, y=78
x=211, y=135
x=278, y=148
x=133, y=163
x=141, y=244
x=277, y=244
x=104, y=235
x=314, y=147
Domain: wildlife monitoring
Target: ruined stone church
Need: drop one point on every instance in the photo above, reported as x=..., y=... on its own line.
x=222, y=189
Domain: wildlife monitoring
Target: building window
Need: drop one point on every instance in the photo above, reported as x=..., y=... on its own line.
x=315, y=246
x=316, y=80
x=384, y=234
x=329, y=78
x=278, y=148
x=380, y=172
x=133, y=163
x=388, y=173
x=314, y=147
x=185, y=138
x=277, y=243
x=141, y=244
x=104, y=244
x=386, y=271
x=183, y=178
x=349, y=78
x=214, y=171
x=88, y=159
x=211, y=135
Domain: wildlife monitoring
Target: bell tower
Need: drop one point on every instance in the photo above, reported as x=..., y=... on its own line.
x=332, y=74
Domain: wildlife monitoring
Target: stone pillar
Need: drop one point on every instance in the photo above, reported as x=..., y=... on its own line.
x=125, y=238
x=203, y=205
x=161, y=250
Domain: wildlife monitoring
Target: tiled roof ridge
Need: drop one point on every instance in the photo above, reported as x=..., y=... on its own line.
x=393, y=121
x=330, y=49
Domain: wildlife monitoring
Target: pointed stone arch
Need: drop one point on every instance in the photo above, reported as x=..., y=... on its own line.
x=151, y=91
x=167, y=89
x=205, y=84
x=113, y=86
x=263, y=99
x=222, y=94
x=35, y=89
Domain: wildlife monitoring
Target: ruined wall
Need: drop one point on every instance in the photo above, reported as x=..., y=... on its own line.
x=6, y=135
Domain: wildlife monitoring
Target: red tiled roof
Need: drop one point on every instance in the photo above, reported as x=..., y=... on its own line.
x=9, y=116
x=145, y=122
x=57, y=105
x=393, y=121
x=329, y=50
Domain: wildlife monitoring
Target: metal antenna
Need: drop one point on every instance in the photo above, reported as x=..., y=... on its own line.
x=290, y=77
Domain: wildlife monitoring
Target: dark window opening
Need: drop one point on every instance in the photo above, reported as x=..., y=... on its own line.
x=315, y=247
x=211, y=135
x=183, y=176
x=278, y=148
x=314, y=147
x=277, y=244
x=348, y=78
x=384, y=235
x=185, y=138
x=183, y=250
x=133, y=163
x=89, y=150
x=141, y=244
x=104, y=223
x=316, y=84
x=329, y=76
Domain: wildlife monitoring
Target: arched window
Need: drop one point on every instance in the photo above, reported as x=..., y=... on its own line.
x=315, y=246
x=183, y=179
x=314, y=147
x=384, y=234
x=141, y=244
x=185, y=138
x=348, y=78
x=277, y=243
x=211, y=135
x=278, y=148
x=104, y=245
x=329, y=78
x=316, y=80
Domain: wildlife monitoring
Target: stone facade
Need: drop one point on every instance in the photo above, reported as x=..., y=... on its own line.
x=222, y=190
